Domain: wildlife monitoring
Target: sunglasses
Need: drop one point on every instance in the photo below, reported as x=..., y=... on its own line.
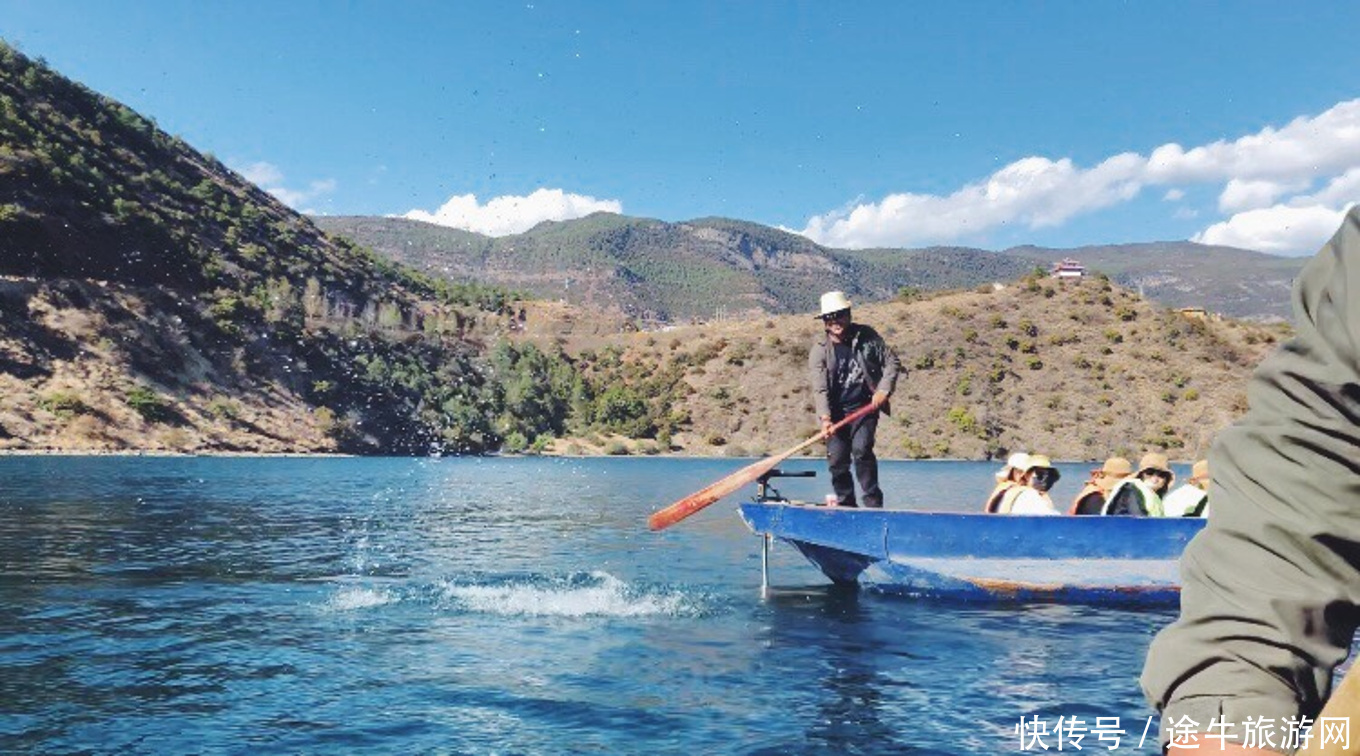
x=1045, y=474
x=837, y=315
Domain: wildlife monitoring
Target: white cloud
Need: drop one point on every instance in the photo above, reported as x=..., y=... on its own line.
x=1258, y=172
x=505, y=215
x=262, y=174
x=268, y=177
x=1342, y=190
x=1248, y=194
x=1279, y=229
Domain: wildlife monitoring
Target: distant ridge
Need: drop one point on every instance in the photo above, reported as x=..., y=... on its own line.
x=717, y=266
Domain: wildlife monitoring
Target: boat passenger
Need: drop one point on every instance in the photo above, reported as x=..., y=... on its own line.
x=851, y=366
x=1142, y=494
x=1191, y=499
x=1031, y=496
x=1091, y=499
x=1007, y=478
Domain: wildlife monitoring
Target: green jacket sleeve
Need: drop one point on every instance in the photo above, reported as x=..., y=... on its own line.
x=817, y=376
x=1270, y=588
x=892, y=367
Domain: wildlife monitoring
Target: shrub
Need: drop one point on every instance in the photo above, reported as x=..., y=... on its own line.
x=616, y=449
x=514, y=443
x=1034, y=363
x=63, y=404
x=913, y=448
x=965, y=385
x=963, y=420
x=147, y=403
x=223, y=408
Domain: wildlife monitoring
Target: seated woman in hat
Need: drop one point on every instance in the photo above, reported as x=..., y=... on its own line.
x=1141, y=495
x=1031, y=496
x=1007, y=478
x=1191, y=499
x=1096, y=491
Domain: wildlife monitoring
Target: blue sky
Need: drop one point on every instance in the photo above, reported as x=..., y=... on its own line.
x=858, y=124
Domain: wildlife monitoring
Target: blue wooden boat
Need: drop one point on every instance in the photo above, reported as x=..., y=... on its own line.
x=1126, y=560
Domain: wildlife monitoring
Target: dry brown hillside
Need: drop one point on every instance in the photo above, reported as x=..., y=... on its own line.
x=1077, y=370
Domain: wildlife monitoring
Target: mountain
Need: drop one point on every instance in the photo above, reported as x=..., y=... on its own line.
x=719, y=267
x=671, y=271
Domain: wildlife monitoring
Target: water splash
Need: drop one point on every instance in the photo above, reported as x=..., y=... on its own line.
x=352, y=598
x=598, y=594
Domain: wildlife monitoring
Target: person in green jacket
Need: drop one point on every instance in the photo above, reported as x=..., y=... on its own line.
x=1270, y=595
x=1141, y=495
x=851, y=366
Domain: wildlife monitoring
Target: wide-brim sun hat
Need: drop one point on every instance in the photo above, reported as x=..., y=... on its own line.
x=1154, y=461
x=1117, y=466
x=1041, y=462
x=1200, y=471
x=834, y=301
x=1017, y=461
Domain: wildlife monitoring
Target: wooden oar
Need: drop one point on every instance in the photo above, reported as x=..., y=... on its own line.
x=687, y=506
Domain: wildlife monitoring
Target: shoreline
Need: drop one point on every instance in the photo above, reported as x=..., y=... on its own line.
x=160, y=453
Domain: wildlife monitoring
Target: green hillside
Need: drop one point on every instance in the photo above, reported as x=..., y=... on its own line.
x=672, y=271
x=709, y=267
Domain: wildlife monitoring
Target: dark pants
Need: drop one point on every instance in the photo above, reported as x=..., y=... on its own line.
x=854, y=442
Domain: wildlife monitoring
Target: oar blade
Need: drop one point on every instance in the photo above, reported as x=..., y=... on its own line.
x=687, y=506
x=664, y=518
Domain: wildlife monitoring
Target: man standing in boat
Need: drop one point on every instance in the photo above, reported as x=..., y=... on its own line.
x=851, y=366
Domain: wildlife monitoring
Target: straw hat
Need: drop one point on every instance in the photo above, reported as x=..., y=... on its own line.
x=1200, y=471
x=1040, y=462
x=1116, y=467
x=834, y=301
x=1154, y=461
x=1037, y=461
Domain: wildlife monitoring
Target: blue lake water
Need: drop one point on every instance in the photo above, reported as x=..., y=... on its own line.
x=501, y=606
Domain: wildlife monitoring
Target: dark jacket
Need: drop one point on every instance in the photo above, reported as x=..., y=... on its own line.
x=880, y=364
x=1271, y=593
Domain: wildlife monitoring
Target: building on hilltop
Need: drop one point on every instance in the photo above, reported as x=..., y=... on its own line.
x=1069, y=269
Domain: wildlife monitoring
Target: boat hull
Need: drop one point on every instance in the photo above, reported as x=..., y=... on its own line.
x=1125, y=560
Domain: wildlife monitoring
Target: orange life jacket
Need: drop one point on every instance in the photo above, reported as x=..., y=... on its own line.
x=1008, y=498
x=993, y=504
x=1087, y=490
